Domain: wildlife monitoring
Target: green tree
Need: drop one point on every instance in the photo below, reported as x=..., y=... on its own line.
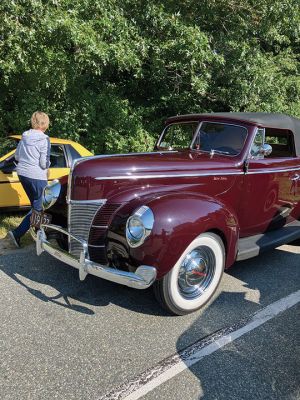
x=109, y=72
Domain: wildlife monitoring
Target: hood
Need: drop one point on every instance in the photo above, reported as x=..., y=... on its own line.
x=110, y=176
x=158, y=163
x=33, y=137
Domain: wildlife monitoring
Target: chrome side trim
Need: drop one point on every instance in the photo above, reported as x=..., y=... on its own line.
x=272, y=171
x=105, y=178
x=100, y=226
x=98, y=246
x=142, y=278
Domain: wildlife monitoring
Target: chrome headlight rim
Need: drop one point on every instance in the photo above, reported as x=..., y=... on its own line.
x=51, y=193
x=144, y=216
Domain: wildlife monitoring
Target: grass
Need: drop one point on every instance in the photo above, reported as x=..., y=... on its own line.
x=10, y=221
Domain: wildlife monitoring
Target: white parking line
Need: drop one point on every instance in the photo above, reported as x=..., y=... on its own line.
x=174, y=365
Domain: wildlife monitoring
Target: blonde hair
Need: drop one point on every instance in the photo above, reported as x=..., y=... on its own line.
x=40, y=120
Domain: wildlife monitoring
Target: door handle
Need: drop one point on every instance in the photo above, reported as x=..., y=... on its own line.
x=296, y=177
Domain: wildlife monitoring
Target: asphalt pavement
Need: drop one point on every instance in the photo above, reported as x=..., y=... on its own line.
x=66, y=339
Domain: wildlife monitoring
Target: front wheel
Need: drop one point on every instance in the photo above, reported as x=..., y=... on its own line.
x=194, y=278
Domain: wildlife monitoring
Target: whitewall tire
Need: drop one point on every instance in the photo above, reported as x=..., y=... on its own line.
x=194, y=278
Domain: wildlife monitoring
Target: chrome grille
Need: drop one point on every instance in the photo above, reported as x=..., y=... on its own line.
x=81, y=215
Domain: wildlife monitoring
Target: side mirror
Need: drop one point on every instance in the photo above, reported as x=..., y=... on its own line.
x=265, y=150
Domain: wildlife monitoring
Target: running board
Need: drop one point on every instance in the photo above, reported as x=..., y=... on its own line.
x=254, y=245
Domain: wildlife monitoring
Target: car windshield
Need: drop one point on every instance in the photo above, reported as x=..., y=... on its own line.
x=222, y=138
x=178, y=136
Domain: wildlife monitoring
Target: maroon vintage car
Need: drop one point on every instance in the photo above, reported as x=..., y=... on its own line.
x=219, y=188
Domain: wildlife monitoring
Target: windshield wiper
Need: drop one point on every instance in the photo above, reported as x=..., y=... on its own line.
x=213, y=151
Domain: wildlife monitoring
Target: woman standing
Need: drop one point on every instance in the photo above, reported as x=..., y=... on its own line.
x=33, y=156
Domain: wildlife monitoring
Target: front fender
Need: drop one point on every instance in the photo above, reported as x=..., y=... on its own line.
x=179, y=219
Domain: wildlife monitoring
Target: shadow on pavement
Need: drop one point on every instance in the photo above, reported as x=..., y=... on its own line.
x=31, y=271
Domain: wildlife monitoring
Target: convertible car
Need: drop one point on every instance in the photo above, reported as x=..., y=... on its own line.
x=63, y=153
x=219, y=188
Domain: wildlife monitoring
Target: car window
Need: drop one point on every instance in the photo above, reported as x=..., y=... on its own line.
x=281, y=141
x=258, y=142
x=178, y=136
x=74, y=153
x=57, y=157
x=220, y=138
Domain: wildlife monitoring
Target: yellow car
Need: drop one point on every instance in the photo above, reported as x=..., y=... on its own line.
x=63, y=152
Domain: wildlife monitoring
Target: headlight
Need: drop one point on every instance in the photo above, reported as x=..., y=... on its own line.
x=139, y=226
x=136, y=228
x=51, y=193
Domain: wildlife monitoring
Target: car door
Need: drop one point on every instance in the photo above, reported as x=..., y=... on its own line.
x=12, y=194
x=268, y=199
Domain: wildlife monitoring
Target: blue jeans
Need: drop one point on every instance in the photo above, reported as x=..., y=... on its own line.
x=34, y=190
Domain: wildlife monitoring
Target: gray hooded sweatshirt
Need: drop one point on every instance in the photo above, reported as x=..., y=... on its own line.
x=33, y=155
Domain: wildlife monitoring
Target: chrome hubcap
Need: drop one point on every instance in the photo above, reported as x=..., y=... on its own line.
x=196, y=272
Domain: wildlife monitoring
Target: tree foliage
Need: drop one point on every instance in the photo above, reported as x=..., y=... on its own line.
x=109, y=72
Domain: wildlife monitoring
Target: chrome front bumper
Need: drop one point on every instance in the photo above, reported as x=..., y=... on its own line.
x=142, y=278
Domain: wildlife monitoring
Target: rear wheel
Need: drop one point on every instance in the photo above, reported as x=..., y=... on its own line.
x=194, y=278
